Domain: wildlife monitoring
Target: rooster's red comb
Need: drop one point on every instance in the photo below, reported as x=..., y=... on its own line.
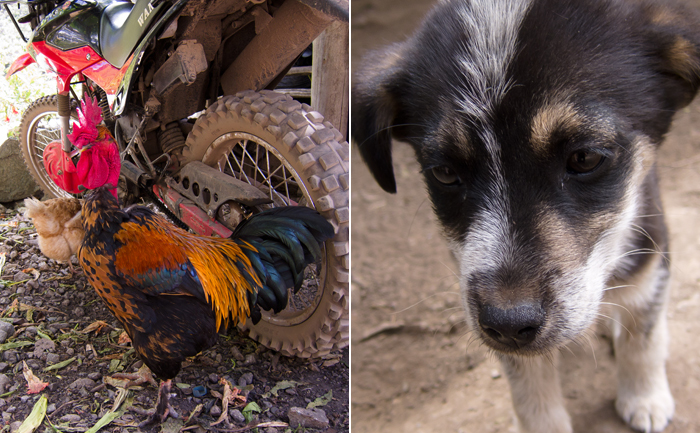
x=85, y=129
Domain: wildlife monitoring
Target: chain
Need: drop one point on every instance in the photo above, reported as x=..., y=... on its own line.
x=164, y=209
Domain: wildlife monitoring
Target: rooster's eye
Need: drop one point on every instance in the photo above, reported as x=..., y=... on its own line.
x=445, y=175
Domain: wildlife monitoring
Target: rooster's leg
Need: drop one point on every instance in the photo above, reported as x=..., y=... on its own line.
x=72, y=269
x=163, y=408
x=143, y=375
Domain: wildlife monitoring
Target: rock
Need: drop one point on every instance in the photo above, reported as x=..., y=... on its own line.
x=15, y=426
x=54, y=327
x=245, y=380
x=82, y=383
x=71, y=417
x=215, y=411
x=236, y=354
x=309, y=418
x=236, y=415
x=42, y=347
x=51, y=408
x=10, y=356
x=20, y=276
x=52, y=358
x=4, y=381
x=15, y=181
x=95, y=376
x=7, y=328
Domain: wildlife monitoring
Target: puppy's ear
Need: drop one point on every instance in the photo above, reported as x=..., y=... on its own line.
x=675, y=32
x=374, y=111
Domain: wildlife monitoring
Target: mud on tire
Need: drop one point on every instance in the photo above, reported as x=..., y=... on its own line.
x=314, y=152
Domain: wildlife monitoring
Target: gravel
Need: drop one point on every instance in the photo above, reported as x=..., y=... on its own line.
x=49, y=315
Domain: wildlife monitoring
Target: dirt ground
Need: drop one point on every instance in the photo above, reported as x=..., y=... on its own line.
x=413, y=367
x=52, y=316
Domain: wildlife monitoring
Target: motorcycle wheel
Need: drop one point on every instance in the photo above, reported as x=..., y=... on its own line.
x=285, y=149
x=39, y=127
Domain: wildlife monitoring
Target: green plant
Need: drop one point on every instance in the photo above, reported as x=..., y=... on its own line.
x=21, y=90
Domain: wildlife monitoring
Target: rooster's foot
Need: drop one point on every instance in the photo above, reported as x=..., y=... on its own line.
x=143, y=375
x=163, y=408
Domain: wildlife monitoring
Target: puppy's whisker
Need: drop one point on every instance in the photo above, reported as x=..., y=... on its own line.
x=613, y=304
x=386, y=128
x=645, y=233
x=450, y=269
x=454, y=325
x=615, y=321
x=408, y=233
x=590, y=343
x=452, y=311
x=651, y=215
x=619, y=287
x=423, y=300
x=641, y=251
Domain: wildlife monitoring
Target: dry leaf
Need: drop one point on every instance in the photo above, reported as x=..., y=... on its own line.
x=35, y=273
x=124, y=338
x=3, y=259
x=96, y=326
x=34, y=384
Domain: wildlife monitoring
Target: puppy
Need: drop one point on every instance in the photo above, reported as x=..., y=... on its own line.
x=536, y=123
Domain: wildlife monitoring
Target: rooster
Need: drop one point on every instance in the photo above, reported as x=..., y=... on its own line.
x=99, y=162
x=172, y=290
x=58, y=226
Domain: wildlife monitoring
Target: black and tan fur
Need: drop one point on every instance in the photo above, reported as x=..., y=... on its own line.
x=537, y=123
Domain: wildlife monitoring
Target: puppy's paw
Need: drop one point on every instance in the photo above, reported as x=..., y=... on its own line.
x=647, y=413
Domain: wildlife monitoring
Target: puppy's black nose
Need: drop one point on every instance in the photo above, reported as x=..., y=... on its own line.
x=515, y=327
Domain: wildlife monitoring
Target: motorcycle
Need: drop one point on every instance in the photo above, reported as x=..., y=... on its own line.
x=185, y=87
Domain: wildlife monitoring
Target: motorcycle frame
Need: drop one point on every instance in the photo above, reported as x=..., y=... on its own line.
x=298, y=21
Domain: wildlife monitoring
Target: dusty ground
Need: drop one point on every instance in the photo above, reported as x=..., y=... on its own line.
x=413, y=367
x=48, y=319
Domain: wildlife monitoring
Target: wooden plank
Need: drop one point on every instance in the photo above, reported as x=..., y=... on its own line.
x=330, y=80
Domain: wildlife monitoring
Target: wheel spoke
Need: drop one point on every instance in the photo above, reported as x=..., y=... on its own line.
x=252, y=160
x=286, y=184
x=241, y=170
x=256, y=168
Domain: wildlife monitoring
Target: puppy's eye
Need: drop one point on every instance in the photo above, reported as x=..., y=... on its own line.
x=584, y=161
x=445, y=175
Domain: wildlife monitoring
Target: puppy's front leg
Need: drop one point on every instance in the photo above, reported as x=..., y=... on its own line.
x=536, y=393
x=640, y=334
